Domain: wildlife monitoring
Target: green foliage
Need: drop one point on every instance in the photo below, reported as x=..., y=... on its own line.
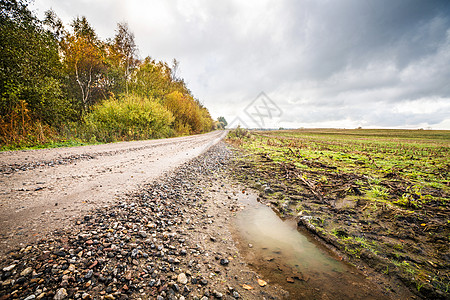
x=151, y=79
x=30, y=68
x=129, y=118
x=222, y=122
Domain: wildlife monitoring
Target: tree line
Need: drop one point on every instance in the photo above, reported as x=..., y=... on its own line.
x=61, y=83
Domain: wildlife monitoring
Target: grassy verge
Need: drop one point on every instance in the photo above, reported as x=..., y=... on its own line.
x=379, y=196
x=54, y=144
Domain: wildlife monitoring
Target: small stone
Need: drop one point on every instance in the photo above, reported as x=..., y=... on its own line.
x=290, y=280
x=109, y=297
x=89, y=274
x=224, y=261
x=9, y=268
x=86, y=296
x=236, y=295
x=20, y=280
x=186, y=290
x=182, y=278
x=6, y=282
x=134, y=253
x=61, y=253
x=217, y=294
x=26, y=271
x=261, y=282
x=60, y=294
x=31, y=297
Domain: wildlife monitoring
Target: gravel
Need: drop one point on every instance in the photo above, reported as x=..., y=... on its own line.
x=139, y=248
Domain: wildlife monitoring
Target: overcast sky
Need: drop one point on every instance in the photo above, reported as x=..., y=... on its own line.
x=320, y=63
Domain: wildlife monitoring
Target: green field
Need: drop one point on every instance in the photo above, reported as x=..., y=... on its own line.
x=380, y=196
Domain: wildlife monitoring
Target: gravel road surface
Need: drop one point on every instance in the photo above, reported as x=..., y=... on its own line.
x=42, y=190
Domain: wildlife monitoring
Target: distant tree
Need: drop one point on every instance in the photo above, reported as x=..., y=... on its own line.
x=174, y=70
x=55, y=25
x=223, y=123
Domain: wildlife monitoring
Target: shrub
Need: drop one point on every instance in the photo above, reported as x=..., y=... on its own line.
x=130, y=118
x=190, y=116
x=239, y=133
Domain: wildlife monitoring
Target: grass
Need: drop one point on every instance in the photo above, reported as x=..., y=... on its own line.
x=418, y=156
x=58, y=144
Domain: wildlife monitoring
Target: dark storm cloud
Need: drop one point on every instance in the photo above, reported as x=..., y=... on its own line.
x=341, y=63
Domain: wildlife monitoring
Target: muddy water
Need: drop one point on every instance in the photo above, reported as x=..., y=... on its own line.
x=285, y=256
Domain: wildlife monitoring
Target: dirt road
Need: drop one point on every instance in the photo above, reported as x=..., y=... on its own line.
x=42, y=190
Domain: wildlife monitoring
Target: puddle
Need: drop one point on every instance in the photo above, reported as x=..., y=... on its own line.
x=292, y=259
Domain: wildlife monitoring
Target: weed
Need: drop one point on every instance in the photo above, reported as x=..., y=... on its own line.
x=419, y=285
x=374, y=181
x=379, y=192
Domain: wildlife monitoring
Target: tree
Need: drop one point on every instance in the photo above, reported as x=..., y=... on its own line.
x=223, y=123
x=55, y=25
x=152, y=79
x=124, y=51
x=30, y=69
x=84, y=62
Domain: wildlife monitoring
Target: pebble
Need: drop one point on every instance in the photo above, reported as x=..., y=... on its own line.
x=182, y=278
x=26, y=271
x=60, y=294
x=86, y=296
x=217, y=294
x=9, y=268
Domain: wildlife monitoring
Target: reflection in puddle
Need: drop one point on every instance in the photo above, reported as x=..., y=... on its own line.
x=287, y=257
